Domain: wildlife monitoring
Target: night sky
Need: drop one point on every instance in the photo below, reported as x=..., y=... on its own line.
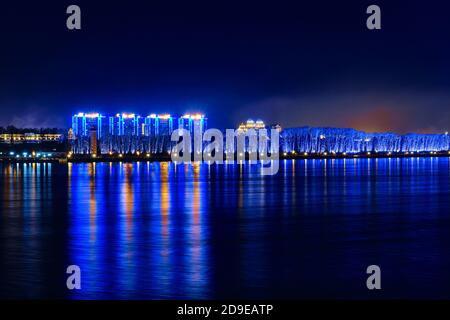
x=295, y=63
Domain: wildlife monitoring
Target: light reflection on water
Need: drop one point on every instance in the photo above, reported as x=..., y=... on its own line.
x=156, y=230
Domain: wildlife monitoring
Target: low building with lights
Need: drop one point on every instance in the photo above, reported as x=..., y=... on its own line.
x=30, y=137
x=251, y=124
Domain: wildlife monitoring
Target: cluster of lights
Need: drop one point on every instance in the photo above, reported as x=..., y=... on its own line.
x=164, y=116
x=148, y=155
x=195, y=116
x=33, y=154
x=126, y=115
x=250, y=124
x=94, y=155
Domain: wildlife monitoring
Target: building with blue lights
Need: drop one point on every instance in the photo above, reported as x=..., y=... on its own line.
x=193, y=123
x=129, y=132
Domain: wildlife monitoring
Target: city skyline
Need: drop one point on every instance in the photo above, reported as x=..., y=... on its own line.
x=232, y=62
x=224, y=154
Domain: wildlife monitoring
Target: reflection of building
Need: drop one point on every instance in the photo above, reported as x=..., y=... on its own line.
x=250, y=124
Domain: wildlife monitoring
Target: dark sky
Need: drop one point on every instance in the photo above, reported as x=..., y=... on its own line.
x=295, y=63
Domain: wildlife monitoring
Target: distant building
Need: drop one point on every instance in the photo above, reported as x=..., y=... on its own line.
x=70, y=135
x=276, y=127
x=30, y=137
x=250, y=124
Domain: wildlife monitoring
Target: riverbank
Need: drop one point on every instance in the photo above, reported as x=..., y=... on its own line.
x=86, y=158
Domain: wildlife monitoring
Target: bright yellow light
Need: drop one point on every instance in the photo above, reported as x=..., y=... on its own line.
x=94, y=155
x=197, y=116
x=164, y=116
x=110, y=153
x=128, y=115
x=284, y=153
x=368, y=153
x=92, y=115
x=120, y=155
x=138, y=153
x=153, y=116
x=325, y=153
x=148, y=155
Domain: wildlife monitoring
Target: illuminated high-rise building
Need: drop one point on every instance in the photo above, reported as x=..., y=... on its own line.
x=192, y=122
x=150, y=125
x=199, y=123
x=127, y=124
x=83, y=122
x=164, y=125
x=185, y=122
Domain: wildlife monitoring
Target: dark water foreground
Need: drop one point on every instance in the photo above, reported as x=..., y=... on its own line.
x=153, y=230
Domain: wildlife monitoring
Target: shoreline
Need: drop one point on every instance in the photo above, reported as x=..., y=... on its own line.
x=166, y=158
